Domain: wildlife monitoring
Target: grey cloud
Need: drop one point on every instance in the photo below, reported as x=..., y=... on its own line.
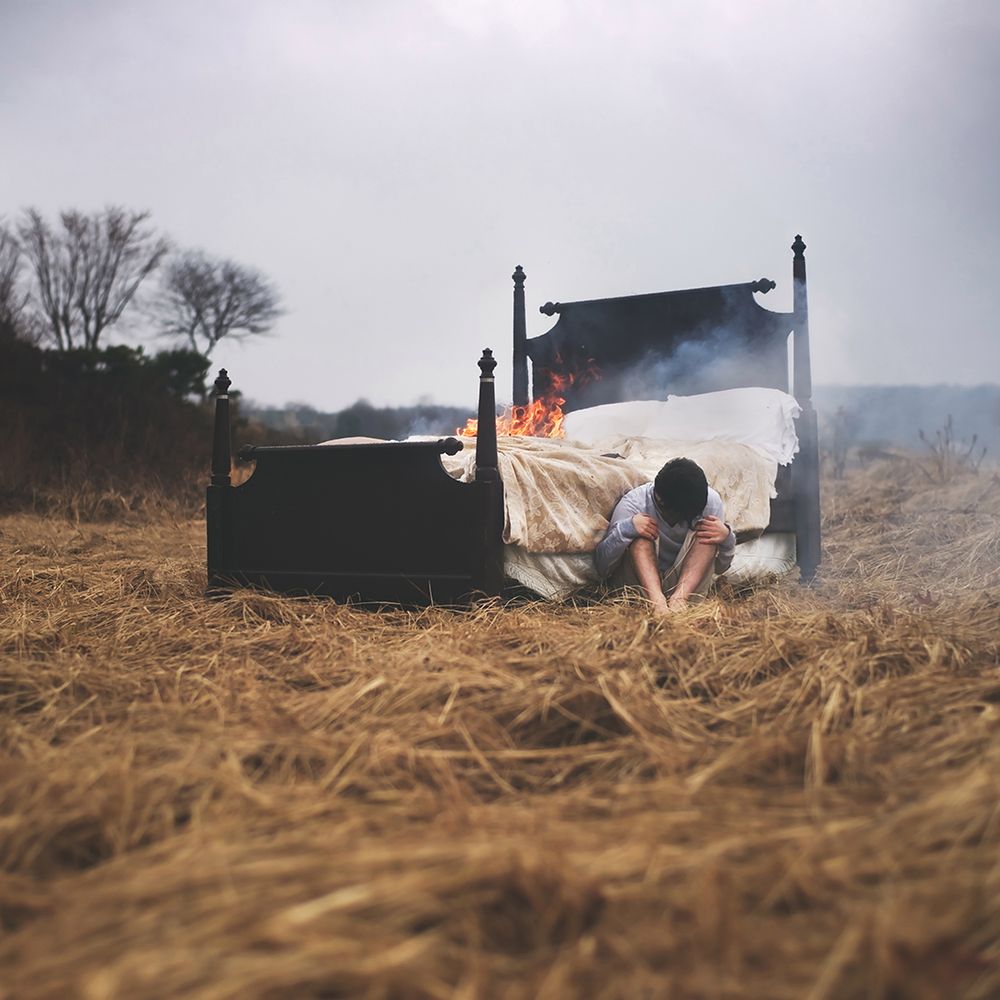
x=388, y=163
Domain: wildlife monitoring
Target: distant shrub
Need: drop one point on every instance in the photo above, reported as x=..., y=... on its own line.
x=949, y=456
x=97, y=423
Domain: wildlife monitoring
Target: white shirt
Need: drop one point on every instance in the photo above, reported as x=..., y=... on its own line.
x=621, y=532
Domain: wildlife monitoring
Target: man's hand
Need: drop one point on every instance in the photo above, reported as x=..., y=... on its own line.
x=711, y=530
x=646, y=527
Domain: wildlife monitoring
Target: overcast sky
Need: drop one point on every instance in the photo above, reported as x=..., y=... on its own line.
x=387, y=164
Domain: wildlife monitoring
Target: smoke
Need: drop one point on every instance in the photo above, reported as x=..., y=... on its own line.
x=705, y=361
x=719, y=359
x=893, y=416
x=436, y=421
x=868, y=416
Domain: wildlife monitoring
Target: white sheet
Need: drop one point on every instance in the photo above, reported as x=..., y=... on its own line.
x=557, y=576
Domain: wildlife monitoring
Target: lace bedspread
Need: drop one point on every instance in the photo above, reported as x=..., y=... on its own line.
x=558, y=494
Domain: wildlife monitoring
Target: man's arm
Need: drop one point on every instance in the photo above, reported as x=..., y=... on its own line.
x=713, y=530
x=622, y=532
x=724, y=556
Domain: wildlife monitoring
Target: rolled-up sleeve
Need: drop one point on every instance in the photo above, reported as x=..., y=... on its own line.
x=620, y=535
x=724, y=556
x=727, y=549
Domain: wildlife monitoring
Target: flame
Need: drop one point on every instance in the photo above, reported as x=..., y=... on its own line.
x=540, y=418
x=543, y=417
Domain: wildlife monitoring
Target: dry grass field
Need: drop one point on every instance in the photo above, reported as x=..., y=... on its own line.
x=789, y=793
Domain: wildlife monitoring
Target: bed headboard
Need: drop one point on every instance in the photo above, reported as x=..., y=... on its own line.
x=647, y=346
x=684, y=342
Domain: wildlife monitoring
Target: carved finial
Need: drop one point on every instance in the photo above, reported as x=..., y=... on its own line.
x=222, y=383
x=798, y=247
x=518, y=275
x=763, y=285
x=487, y=364
x=550, y=308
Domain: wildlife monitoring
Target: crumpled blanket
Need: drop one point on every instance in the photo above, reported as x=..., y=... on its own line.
x=559, y=494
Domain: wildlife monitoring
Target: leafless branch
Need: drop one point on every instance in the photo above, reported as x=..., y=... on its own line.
x=203, y=299
x=88, y=269
x=13, y=296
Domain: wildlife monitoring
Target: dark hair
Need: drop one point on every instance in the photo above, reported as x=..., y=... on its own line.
x=682, y=487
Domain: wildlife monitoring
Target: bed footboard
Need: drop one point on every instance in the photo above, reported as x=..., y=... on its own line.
x=368, y=523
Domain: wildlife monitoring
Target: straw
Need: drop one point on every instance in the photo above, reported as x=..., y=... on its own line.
x=783, y=792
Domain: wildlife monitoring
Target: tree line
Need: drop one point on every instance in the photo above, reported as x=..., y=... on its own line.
x=299, y=422
x=88, y=419
x=66, y=284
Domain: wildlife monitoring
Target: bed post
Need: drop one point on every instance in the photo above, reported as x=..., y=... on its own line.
x=490, y=574
x=805, y=469
x=486, y=432
x=217, y=498
x=520, y=377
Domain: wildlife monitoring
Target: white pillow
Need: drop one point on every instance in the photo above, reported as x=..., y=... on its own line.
x=762, y=419
x=615, y=420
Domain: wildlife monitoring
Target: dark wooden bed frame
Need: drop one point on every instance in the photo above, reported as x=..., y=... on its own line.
x=385, y=523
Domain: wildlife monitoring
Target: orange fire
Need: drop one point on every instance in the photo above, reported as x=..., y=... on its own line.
x=543, y=417
x=540, y=418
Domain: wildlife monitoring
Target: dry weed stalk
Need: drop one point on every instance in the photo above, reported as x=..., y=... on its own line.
x=950, y=457
x=788, y=793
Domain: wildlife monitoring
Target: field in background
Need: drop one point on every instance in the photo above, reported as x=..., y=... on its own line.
x=784, y=793
x=894, y=415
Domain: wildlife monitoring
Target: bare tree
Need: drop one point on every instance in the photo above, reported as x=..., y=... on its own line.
x=204, y=299
x=88, y=270
x=13, y=297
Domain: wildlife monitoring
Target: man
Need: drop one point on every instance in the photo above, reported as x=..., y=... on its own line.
x=668, y=537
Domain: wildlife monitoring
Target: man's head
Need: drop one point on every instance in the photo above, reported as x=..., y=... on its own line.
x=681, y=490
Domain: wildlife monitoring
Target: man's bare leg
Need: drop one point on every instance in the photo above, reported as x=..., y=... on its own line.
x=642, y=553
x=696, y=564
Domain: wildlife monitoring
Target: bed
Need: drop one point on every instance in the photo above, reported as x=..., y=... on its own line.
x=388, y=523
